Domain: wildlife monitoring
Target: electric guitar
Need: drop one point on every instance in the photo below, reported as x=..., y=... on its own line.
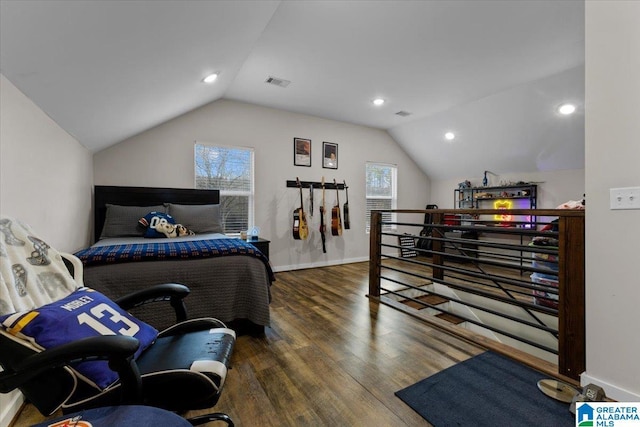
x=345, y=208
x=300, y=230
x=322, y=226
x=336, y=222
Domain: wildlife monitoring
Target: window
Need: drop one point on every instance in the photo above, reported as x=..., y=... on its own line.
x=381, y=191
x=230, y=170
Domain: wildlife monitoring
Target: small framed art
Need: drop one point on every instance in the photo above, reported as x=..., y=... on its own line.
x=329, y=155
x=301, y=152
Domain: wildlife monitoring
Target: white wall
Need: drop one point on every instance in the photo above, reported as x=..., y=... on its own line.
x=46, y=179
x=554, y=187
x=46, y=176
x=612, y=160
x=163, y=157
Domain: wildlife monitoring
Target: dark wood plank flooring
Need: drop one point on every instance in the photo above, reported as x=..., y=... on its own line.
x=331, y=357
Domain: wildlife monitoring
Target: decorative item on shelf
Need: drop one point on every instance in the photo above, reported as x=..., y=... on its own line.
x=485, y=181
x=253, y=234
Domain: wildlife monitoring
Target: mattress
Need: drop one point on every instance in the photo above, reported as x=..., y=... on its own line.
x=229, y=288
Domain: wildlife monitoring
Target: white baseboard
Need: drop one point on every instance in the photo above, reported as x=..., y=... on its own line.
x=612, y=391
x=10, y=405
x=318, y=264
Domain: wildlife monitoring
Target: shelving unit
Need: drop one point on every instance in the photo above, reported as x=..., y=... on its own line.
x=476, y=197
x=500, y=197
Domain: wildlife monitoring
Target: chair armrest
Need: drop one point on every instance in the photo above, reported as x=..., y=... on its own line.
x=207, y=418
x=172, y=292
x=193, y=325
x=77, y=268
x=118, y=350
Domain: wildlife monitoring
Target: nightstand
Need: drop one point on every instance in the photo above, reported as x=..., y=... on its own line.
x=262, y=245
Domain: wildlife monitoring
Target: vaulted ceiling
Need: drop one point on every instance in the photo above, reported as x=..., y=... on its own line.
x=492, y=72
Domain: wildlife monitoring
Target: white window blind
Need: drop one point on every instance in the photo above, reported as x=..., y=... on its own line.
x=381, y=192
x=230, y=170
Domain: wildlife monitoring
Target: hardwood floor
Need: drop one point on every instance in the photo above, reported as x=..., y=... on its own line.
x=331, y=357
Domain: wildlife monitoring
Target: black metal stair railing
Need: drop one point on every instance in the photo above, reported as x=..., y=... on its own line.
x=501, y=272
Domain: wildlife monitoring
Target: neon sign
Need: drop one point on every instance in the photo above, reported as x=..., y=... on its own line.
x=503, y=205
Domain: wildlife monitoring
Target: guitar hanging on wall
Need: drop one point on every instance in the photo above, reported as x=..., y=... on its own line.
x=322, y=226
x=345, y=208
x=300, y=230
x=336, y=222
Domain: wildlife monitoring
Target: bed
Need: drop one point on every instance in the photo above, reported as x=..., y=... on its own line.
x=229, y=279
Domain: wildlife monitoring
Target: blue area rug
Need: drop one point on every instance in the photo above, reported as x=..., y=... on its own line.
x=486, y=390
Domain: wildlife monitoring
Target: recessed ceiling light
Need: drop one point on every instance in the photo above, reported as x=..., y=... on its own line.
x=378, y=101
x=210, y=78
x=567, y=109
x=449, y=136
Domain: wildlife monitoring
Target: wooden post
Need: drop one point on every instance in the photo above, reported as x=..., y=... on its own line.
x=375, y=253
x=571, y=308
x=437, y=245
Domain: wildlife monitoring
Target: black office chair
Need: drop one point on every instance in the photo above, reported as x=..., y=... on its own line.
x=82, y=350
x=127, y=415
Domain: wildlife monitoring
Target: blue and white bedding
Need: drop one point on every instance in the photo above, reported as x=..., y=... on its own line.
x=135, y=249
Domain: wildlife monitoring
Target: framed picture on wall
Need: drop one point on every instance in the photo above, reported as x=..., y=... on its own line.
x=301, y=152
x=329, y=155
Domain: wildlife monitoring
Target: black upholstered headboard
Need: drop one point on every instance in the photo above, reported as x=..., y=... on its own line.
x=145, y=196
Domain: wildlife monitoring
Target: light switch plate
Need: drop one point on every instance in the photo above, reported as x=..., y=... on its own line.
x=624, y=198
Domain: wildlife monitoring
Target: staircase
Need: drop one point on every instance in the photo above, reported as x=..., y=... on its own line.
x=436, y=300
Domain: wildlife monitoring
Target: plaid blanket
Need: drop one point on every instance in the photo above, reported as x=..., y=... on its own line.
x=155, y=251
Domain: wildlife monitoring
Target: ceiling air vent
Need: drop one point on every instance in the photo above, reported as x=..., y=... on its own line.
x=277, y=82
x=403, y=113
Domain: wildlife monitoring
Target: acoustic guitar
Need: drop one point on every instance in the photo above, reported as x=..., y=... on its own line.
x=323, y=227
x=336, y=222
x=345, y=208
x=300, y=230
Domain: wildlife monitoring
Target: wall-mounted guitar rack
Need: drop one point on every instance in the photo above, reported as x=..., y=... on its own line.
x=316, y=185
